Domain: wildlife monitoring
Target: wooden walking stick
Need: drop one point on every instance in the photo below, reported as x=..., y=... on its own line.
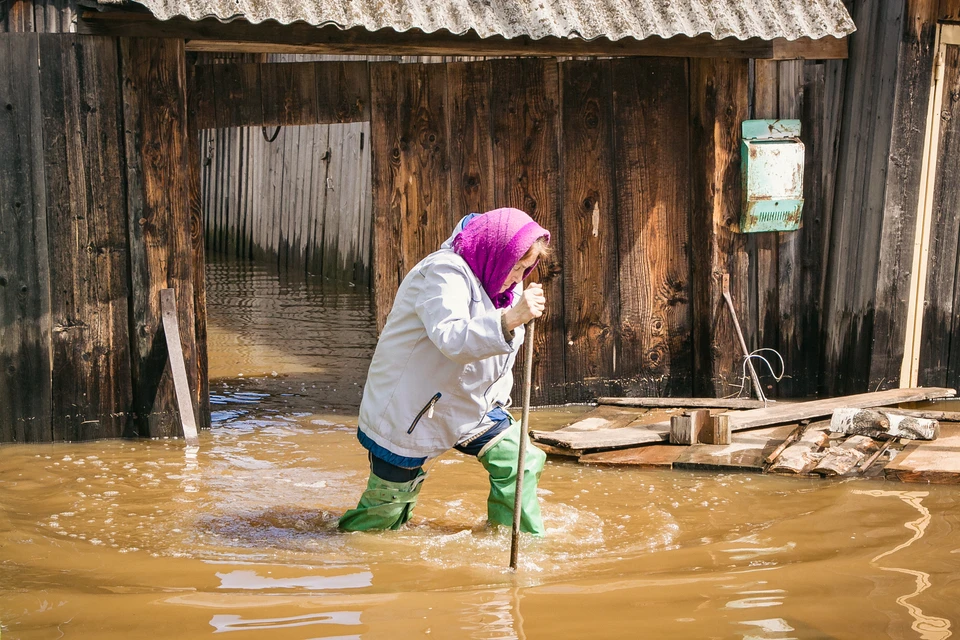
x=524, y=426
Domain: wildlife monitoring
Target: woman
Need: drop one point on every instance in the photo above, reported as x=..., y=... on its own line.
x=442, y=372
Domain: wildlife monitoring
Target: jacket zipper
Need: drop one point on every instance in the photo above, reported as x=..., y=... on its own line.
x=428, y=409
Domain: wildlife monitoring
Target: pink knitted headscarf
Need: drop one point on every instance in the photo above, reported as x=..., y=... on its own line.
x=492, y=243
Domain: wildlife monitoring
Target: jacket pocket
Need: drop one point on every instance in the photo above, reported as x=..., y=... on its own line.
x=427, y=409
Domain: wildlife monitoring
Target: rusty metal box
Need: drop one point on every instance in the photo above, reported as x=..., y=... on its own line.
x=772, y=173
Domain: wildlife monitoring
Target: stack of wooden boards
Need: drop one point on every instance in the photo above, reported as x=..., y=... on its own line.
x=636, y=432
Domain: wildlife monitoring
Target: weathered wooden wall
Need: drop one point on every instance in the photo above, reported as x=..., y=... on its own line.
x=596, y=151
x=285, y=151
x=94, y=220
x=648, y=165
x=38, y=16
x=871, y=239
x=940, y=351
x=788, y=268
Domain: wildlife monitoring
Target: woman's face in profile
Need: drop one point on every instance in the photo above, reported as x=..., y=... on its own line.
x=516, y=274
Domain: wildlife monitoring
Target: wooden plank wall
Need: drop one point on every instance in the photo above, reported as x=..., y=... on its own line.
x=89, y=272
x=873, y=228
x=940, y=351
x=25, y=331
x=718, y=104
x=38, y=16
x=651, y=171
x=301, y=200
x=90, y=229
x=549, y=137
x=294, y=187
x=789, y=267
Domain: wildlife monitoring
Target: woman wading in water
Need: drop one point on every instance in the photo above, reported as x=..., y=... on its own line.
x=442, y=372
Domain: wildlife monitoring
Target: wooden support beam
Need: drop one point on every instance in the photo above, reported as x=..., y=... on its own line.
x=171, y=331
x=272, y=37
x=195, y=195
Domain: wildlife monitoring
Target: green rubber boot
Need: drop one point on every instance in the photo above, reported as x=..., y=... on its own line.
x=384, y=505
x=500, y=461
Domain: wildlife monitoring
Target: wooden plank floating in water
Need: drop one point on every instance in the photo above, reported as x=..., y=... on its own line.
x=655, y=456
x=936, y=462
x=746, y=451
x=609, y=428
x=794, y=412
x=673, y=403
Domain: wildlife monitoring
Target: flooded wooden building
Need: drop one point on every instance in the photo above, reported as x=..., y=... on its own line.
x=619, y=133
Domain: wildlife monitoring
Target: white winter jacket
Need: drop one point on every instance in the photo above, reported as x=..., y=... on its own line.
x=441, y=363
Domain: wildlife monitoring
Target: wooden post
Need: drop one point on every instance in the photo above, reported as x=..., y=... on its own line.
x=197, y=246
x=171, y=331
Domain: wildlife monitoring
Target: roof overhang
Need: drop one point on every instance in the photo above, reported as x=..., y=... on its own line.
x=239, y=35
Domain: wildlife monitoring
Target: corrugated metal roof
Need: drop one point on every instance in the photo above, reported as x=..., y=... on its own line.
x=587, y=19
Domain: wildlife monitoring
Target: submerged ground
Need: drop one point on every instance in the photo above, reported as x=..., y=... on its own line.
x=125, y=539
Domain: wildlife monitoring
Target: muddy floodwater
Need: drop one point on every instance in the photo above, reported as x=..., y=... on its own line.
x=138, y=539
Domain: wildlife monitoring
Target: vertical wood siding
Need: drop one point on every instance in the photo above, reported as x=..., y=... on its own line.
x=940, y=351
x=651, y=174
x=598, y=153
x=25, y=331
x=38, y=16
x=94, y=221
x=302, y=200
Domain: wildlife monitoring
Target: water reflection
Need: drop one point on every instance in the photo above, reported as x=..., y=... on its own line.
x=929, y=627
x=225, y=622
